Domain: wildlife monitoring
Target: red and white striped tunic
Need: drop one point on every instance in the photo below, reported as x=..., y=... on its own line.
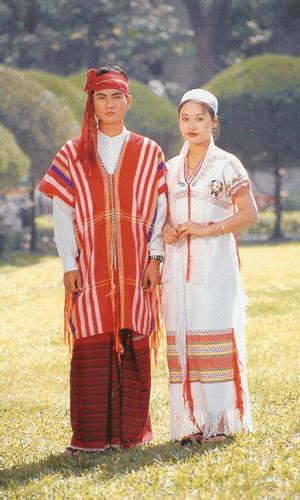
x=114, y=218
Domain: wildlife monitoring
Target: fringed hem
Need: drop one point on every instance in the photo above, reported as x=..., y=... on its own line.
x=211, y=423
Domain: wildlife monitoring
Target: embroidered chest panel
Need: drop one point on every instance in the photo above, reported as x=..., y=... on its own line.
x=207, y=184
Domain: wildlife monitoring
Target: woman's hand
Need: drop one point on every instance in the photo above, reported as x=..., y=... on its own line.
x=193, y=229
x=170, y=235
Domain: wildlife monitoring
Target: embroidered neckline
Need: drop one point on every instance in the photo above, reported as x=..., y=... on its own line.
x=189, y=178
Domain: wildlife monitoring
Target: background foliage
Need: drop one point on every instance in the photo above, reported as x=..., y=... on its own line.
x=41, y=121
x=227, y=31
x=259, y=102
x=13, y=161
x=64, y=36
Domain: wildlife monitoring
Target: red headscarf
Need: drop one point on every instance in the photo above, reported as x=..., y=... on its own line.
x=88, y=140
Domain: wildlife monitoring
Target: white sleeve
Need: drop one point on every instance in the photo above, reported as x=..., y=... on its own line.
x=156, y=244
x=235, y=176
x=64, y=234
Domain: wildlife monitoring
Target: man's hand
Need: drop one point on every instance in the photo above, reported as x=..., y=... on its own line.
x=73, y=281
x=151, y=276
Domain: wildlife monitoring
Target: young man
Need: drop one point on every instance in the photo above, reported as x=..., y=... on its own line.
x=109, y=207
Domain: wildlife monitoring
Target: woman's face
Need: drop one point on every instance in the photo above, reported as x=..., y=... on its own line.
x=196, y=123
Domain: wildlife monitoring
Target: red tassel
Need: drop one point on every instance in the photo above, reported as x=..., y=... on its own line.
x=114, y=298
x=237, y=379
x=188, y=397
x=189, y=263
x=68, y=335
x=159, y=328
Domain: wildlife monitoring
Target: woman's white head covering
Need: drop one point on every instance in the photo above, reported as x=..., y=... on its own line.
x=201, y=95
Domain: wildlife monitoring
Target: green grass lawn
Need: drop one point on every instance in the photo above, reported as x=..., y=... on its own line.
x=34, y=424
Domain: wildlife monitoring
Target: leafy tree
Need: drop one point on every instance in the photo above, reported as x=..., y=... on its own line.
x=225, y=31
x=65, y=36
x=13, y=161
x=259, y=100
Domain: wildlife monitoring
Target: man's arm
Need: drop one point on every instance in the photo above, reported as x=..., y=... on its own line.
x=64, y=233
x=156, y=246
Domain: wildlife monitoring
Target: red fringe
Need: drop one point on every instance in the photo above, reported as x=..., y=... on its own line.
x=68, y=335
x=189, y=263
x=237, y=380
x=187, y=394
x=114, y=298
x=159, y=327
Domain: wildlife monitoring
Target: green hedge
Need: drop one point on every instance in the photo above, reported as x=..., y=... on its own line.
x=40, y=121
x=63, y=88
x=257, y=75
x=13, y=161
x=259, y=100
x=263, y=229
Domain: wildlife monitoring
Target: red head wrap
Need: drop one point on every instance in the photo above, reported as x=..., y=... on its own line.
x=88, y=139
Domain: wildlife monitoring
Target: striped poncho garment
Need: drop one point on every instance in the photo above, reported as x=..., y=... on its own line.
x=114, y=218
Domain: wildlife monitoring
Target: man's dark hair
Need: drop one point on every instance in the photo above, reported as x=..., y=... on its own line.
x=111, y=69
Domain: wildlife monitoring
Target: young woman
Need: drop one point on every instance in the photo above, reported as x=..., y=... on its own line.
x=210, y=199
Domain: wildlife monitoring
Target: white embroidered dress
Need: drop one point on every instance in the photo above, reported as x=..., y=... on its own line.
x=203, y=300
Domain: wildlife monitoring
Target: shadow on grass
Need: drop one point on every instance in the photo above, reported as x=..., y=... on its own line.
x=110, y=464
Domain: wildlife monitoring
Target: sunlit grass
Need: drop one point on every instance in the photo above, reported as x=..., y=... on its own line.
x=34, y=424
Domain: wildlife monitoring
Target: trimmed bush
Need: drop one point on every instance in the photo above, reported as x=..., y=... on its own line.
x=40, y=120
x=61, y=87
x=259, y=101
x=13, y=161
x=257, y=75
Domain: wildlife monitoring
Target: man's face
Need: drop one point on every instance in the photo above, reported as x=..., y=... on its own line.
x=110, y=106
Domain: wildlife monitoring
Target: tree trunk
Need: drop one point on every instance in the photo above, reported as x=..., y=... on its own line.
x=277, y=234
x=33, y=242
x=210, y=35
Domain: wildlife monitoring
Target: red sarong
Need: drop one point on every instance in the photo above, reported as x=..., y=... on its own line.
x=110, y=403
